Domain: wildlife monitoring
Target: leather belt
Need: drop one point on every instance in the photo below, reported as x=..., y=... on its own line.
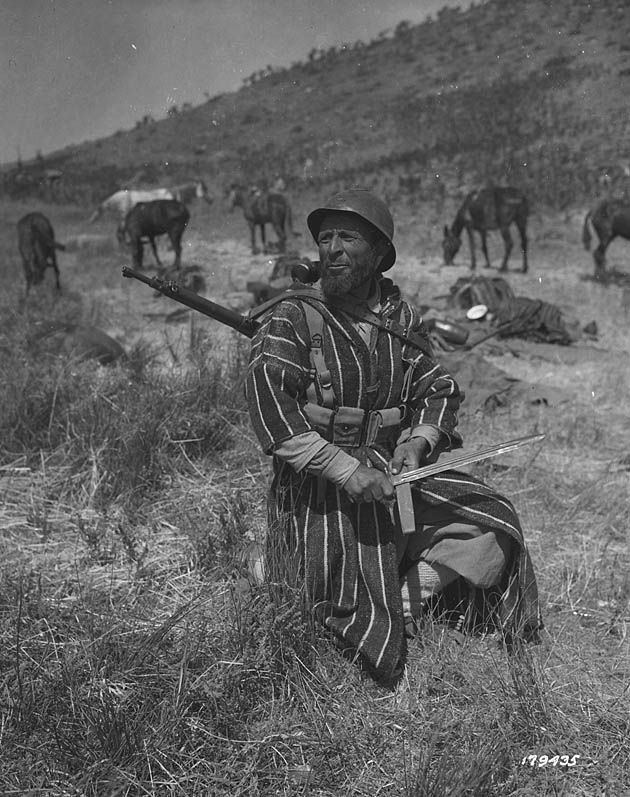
x=351, y=427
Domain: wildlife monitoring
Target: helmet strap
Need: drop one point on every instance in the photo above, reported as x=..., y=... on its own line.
x=381, y=246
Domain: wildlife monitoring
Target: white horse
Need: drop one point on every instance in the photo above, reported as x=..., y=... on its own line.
x=194, y=189
x=121, y=202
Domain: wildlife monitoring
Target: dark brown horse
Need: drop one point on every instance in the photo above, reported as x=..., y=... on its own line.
x=488, y=209
x=610, y=218
x=148, y=220
x=260, y=208
x=37, y=245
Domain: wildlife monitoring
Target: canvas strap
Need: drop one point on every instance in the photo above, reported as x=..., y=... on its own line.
x=320, y=389
x=314, y=298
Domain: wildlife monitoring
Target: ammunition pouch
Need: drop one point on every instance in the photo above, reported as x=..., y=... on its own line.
x=350, y=427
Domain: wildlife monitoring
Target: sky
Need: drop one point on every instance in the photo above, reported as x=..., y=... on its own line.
x=77, y=70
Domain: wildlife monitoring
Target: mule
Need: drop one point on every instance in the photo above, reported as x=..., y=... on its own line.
x=37, y=245
x=121, y=202
x=488, y=209
x=188, y=192
x=260, y=209
x=610, y=219
x=148, y=220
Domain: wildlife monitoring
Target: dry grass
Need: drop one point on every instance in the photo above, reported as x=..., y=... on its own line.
x=138, y=659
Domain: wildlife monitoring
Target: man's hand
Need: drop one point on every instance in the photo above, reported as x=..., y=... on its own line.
x=409, y=455
x=369, y=484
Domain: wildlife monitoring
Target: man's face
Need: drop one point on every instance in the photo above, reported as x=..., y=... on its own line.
x=347, y=253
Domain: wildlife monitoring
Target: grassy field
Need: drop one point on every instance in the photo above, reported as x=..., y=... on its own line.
x=137, y=657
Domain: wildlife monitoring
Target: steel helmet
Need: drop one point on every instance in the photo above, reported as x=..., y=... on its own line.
x=362, y=203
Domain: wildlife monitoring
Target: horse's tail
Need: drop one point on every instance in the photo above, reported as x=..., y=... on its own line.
x=586, y=233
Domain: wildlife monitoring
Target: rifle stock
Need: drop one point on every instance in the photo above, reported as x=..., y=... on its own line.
x=241, y=323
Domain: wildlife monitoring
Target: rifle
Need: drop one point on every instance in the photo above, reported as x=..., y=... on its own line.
x=241, y=323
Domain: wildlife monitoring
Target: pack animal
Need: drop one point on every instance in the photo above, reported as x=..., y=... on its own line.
x=149, y=220
x=190, y=191
x=260, y=209
x=610, y=219
x=37, y=245
x=121, y=202
x=484, y=210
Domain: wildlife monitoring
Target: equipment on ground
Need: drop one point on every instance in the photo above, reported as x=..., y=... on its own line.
x=476, y=312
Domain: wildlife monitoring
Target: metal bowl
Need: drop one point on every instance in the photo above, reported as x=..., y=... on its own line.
x=477, y=312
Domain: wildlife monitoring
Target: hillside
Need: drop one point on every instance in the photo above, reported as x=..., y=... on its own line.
x=532, y=93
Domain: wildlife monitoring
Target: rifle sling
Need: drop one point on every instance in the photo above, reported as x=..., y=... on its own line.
x=314, y=298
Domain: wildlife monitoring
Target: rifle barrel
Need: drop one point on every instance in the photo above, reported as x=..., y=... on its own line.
x=241, y=323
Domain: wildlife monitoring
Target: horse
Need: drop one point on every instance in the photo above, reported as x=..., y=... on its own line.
x=188, y=192
x=260, y=209
x=151, y=219
x=37, y=245
x=121, y=202
x=609, y=218
x=488, y=209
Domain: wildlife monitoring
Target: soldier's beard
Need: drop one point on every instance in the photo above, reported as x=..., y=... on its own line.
x=348, y=281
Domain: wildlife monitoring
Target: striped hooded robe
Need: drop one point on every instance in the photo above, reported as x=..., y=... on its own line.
x=347, y=550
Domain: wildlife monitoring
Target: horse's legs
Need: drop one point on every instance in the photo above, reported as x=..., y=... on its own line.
x=484, y=246
x=522, y=230
x=154, y=248
x=471, y=242
x=599, y=256
x=263, y=237
x=252, y=237
x=176, y=243
x=27, y=262
x=507, y=240
x=53, y=263
x=278, y=215
x=282, y=238
x=138, y=253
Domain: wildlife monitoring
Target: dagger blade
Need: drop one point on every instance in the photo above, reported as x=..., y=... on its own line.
x=465, y=459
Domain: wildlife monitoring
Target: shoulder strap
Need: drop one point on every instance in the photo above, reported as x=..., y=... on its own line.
x=302, y=292
x=314, y=298
x=390, y=325
x=319, y=390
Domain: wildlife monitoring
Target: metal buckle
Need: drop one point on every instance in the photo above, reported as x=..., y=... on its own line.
x=348, y=427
